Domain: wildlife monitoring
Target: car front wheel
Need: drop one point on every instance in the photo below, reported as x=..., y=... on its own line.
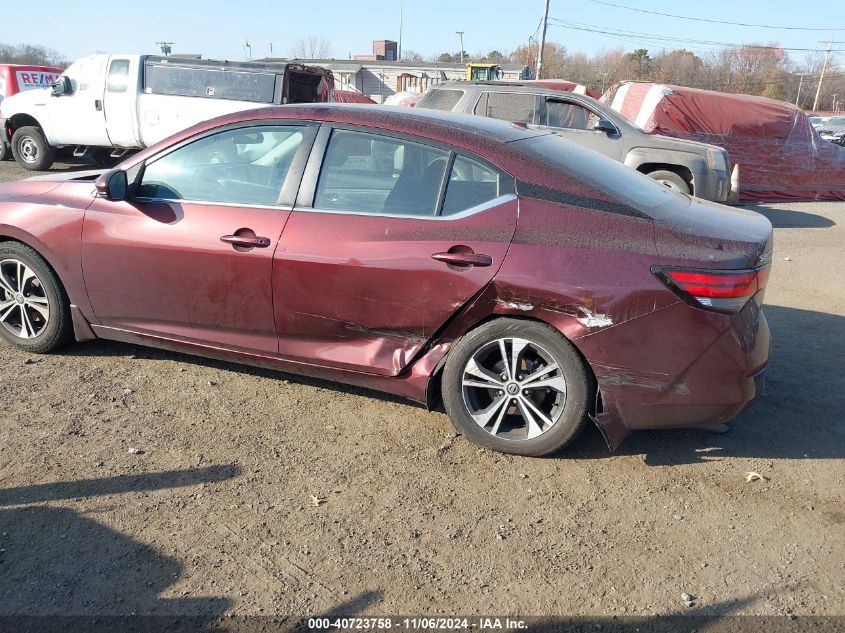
x=34, y=311
x=516, y=386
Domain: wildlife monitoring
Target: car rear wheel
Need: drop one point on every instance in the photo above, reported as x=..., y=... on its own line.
x=31, y=149
x=516, y=386
x=671, y=180
x=34, y=311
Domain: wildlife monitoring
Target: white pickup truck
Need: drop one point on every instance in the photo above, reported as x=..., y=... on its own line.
x=110, y=104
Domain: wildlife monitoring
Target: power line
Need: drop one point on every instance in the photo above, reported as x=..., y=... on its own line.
x=684, y=17
x=652, y=37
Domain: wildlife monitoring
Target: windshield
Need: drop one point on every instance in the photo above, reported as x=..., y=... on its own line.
x=614, y=179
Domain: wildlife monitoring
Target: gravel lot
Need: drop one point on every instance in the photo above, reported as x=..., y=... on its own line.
x=254, y=492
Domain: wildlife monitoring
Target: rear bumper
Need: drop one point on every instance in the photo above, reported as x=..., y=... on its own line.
x=703, y=369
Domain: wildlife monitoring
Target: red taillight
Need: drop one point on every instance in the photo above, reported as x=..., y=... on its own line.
x=724, y=290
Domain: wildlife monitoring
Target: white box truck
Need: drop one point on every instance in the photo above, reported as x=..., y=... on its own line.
x=110, y=104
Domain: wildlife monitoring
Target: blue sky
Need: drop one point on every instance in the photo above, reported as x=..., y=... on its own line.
x=219, y=29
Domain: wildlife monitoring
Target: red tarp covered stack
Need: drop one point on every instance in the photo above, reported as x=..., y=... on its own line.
x=780, y=155
x=351, y=96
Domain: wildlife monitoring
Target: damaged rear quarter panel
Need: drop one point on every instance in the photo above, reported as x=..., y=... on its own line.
x=578, y=269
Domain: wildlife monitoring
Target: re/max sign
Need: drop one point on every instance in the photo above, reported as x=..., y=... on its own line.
x=28, y=79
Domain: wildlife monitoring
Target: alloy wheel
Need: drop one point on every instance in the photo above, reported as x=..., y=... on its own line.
x=513, y=389
x=24, y=307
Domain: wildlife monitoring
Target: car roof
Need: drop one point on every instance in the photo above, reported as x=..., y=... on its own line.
x=510, y=86
x=422, y=122
x=484, y=136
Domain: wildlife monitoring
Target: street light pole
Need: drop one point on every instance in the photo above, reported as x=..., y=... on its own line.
x=461, y=35
x=542, y=40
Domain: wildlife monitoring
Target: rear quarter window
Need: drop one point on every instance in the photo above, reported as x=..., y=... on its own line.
x=441, y=99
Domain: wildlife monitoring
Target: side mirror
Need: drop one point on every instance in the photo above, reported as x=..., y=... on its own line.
x=112, y=185
x=603, y=125
x=62, y=86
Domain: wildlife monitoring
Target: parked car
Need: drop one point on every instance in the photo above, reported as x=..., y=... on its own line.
x=832, y=126
x=15, y=78
x=529, y=283
x=108, y=104
x=685, y=166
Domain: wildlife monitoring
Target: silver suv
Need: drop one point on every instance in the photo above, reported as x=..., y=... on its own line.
x=687, y=166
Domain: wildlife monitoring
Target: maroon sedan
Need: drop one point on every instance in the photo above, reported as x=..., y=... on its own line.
x=528, y=283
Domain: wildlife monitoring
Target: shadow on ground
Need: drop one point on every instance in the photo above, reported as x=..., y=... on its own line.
x=798, y=416
x=789, y=218
x=56, y=563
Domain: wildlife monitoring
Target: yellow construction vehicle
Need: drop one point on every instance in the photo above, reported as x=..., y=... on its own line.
x=483, y=72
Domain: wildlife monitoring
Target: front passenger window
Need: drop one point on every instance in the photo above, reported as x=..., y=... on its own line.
x=239, y=166
x=573, y=116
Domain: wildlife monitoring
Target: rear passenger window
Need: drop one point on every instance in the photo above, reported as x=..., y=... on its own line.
x=508, y=106
x=441, y=99
x=371, y=173
x=470, y=184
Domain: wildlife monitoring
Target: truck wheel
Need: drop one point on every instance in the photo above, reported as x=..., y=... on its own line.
x=31, y=149
x=671, y=180
x=5, y=150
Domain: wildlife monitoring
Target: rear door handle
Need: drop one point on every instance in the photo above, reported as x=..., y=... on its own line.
x=463, y=259
x=98, y=105
x=248, y=241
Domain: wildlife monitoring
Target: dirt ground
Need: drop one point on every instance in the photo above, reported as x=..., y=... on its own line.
x=215, y=515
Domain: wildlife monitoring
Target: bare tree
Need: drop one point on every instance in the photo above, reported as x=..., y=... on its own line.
x=412, y=56
x=34, y=54
x=312, y=47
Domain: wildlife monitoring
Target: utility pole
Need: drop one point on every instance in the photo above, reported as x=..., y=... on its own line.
x=542, y=40
x=401, y=12
x=166, y=47
x=798, y=96
x=461, y=35
x=821, y=76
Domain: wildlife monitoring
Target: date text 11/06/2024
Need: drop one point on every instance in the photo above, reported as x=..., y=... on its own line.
x=416, y=624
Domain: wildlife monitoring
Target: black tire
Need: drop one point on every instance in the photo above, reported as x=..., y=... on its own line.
x=575, y=406
x=57, y=330
x=671, y=180
x=5, y=150
x=31, y=149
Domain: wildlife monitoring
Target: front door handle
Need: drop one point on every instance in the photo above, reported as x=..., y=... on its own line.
x=98, y=105
x=247, y=241
x=463, y=259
